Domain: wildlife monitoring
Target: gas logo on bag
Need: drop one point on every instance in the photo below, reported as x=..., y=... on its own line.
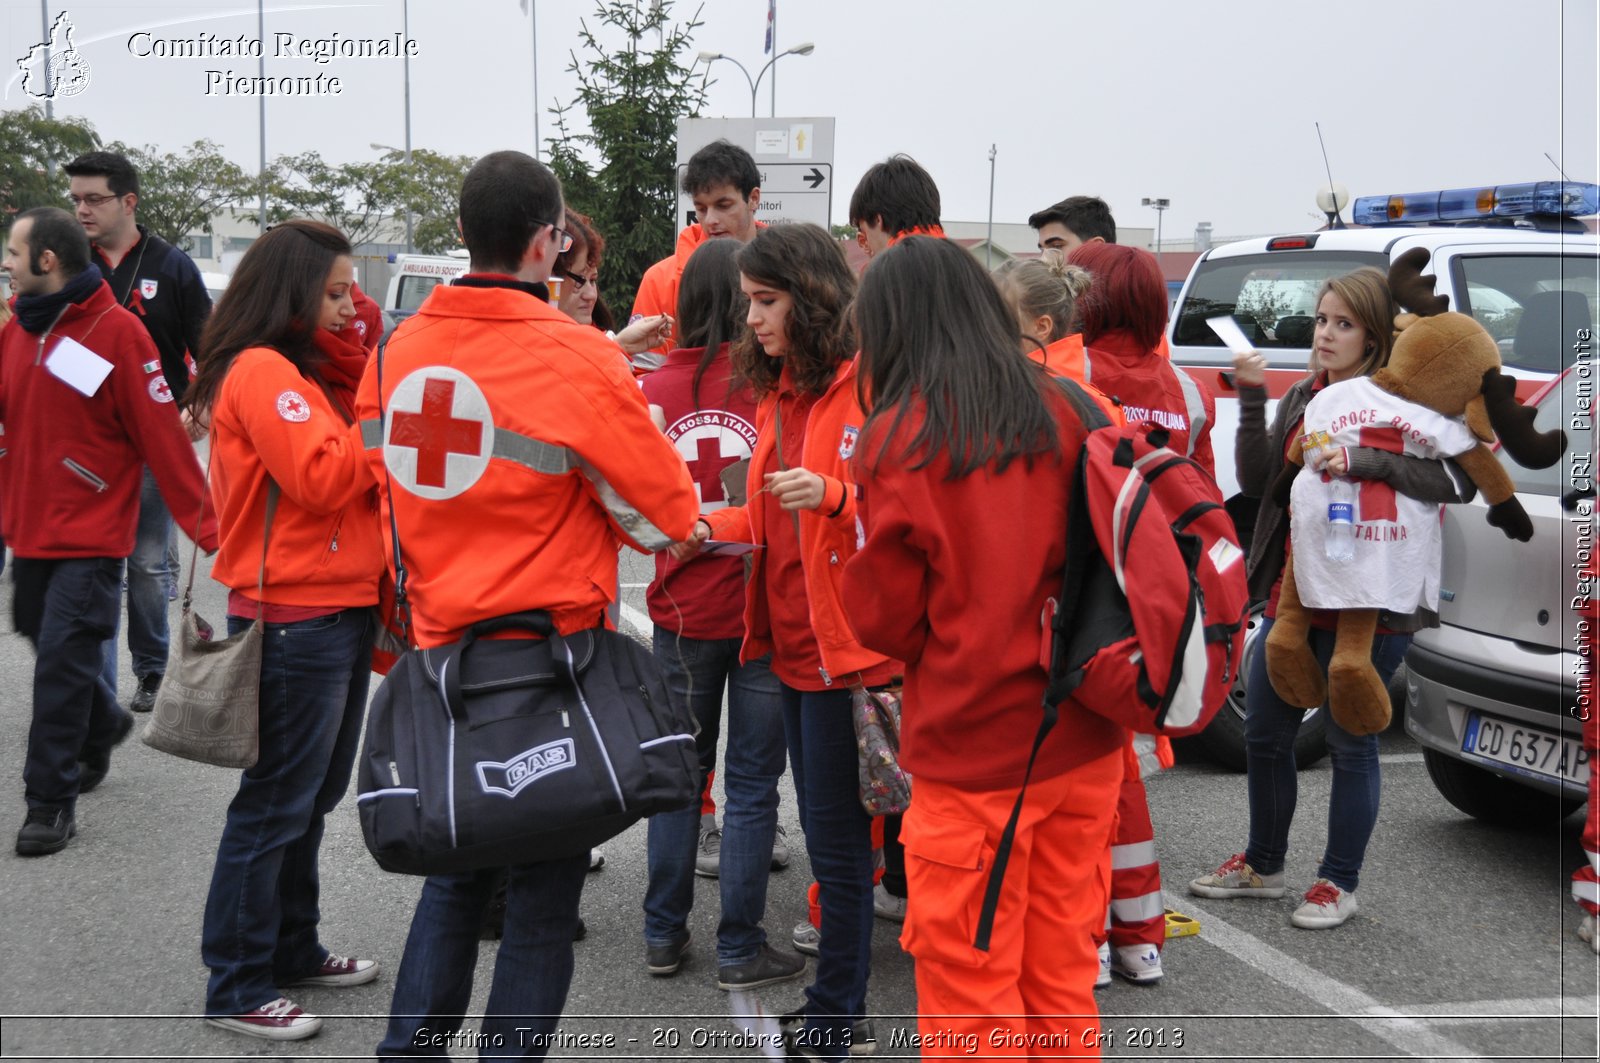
x=511, y=777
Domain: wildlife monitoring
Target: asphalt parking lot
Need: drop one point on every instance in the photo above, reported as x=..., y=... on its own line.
x=1464, y=947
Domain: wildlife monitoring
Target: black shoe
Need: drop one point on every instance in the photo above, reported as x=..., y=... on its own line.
x=45, y=831
x=95, y=763
x=581, y=932
x=663, y=961
x=768, y=968
x=144, y=698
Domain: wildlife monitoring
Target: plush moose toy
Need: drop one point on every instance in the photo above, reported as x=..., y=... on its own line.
x=1441, y=395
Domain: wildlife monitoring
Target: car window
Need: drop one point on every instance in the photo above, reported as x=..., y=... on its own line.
x=1272, y=296
x=1569, y=407
x=413, y=290
x=1532, y=304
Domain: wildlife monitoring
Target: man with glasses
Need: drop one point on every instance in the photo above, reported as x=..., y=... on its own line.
x=497, y=403
x=162, y=287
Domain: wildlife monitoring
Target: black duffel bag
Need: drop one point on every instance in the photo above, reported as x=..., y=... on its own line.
x=511, y=751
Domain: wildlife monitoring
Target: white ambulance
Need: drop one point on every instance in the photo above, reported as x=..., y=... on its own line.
x=1512, y=256
x=415, y=276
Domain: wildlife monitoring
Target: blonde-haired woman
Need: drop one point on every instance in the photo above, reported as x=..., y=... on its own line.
x=1352, y=338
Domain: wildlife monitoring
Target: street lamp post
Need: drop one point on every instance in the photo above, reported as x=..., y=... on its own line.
x=406, y=152
x=988, y=250
x=755, y=83
x=1161, y=205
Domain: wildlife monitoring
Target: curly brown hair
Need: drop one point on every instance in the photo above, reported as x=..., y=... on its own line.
x=803, y=261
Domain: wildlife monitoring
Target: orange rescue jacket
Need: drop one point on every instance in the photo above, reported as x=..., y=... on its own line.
x=326, y=548
x=518, y=454
x=829, y=535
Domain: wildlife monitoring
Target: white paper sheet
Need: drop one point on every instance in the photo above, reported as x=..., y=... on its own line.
x=1228, y=330
x=77, y=366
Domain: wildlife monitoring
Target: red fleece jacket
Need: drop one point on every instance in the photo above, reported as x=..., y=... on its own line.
x=953, y=579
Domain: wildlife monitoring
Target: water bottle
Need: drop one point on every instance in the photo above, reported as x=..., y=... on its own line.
x=1340, y=539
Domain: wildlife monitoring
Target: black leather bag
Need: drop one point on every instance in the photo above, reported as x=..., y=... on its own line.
x=490, y=753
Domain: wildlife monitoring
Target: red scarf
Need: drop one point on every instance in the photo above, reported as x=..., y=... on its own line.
x=344, y=359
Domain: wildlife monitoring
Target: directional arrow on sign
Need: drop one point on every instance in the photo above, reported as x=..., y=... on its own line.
x=814, y=178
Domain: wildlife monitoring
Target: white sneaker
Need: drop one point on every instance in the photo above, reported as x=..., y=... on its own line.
x=1235, y=878
x=597, y=859
x=1139, y=964
x=1103, y=979
x=1326, y=906
x=1586, y=931
x=886, y=905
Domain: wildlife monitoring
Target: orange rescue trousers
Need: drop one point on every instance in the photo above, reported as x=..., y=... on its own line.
x=1032, y=993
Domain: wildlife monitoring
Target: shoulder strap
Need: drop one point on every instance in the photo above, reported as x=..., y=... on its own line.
x=1196, y=405
x=1088, y=411
x=402, y=605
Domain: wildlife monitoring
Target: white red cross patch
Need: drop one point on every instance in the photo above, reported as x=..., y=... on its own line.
x=439, y=432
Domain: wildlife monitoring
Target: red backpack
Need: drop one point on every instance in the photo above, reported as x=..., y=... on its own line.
x=1158, y=659
x=1161, y=658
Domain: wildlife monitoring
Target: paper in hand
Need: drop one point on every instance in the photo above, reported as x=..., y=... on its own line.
x=1228, y=330
x=77, y=366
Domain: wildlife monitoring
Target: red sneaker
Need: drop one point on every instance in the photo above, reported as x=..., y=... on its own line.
x=340, y=971
x=280, y=1020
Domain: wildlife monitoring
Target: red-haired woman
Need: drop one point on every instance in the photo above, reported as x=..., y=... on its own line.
x=1124, y=314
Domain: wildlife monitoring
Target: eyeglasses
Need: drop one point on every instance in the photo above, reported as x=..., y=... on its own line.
x=566, y=238
x=92, y=200
x=579, y=280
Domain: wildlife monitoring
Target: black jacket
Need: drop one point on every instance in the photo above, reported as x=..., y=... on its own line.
x=162, y=287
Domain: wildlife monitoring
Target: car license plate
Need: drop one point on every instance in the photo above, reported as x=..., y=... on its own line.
x=1527, y=750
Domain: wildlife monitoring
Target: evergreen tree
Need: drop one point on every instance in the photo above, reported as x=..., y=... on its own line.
x=633, y=91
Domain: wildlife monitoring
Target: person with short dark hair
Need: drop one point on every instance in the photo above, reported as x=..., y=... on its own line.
x=894, y=199
x=725, y=185
x=1075, y=221
x=162, y=286
x=85, y=407
x=500, y=358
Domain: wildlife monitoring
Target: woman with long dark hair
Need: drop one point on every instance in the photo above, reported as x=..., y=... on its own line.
x=278, y=371
x=798, y=355
x=966, y=466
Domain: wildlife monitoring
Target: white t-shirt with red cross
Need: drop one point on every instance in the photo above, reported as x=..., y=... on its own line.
x=1396, y=564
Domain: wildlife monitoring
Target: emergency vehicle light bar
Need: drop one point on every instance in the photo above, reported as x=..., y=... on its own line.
x=1561, y=198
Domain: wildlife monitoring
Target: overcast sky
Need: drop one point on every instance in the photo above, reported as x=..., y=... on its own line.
x=1209, y=103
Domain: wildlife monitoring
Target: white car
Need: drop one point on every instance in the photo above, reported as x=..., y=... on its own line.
x=1492, y=693
x=1512, y=256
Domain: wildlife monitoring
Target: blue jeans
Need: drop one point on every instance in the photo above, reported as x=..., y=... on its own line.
x=532, y=971
x=261, y=914
x=65, y=607
x=149, y=573
x=822, y=755
x=1270, y=726
x=697, y=670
